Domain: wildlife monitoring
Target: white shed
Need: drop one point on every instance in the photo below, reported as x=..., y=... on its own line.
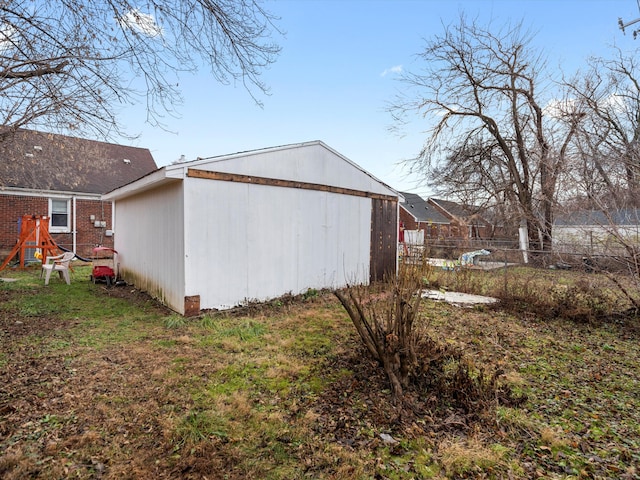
x=216, y=232
x=597, y=232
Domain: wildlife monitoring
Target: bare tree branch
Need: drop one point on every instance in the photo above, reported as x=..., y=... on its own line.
x=73, y=64
x=482, y=93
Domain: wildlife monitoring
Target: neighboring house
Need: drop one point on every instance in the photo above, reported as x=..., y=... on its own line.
x=217, y=232
x=418, y=214
x=63, y=178
x=465, y=221
x=596, y=231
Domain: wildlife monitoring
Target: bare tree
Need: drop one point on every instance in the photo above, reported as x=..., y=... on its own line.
x=71, y=65
x=605, y=178
x=608, y=95
x=490, y=131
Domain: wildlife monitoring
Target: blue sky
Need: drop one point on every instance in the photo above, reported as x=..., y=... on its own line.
x=338, y=70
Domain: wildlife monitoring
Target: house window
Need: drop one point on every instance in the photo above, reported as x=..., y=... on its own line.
x=59, y=213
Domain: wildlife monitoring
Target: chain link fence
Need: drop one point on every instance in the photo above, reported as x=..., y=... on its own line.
x=505, y=252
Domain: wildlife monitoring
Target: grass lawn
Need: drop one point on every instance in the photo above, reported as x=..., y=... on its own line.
x=100, y=382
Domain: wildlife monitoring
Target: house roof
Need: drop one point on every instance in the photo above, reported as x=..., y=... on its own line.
x=420, y=209
x=46, y=161
x=627, y=216
x=456, y=209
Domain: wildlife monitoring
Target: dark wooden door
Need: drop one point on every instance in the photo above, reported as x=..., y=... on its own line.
x=384, y=232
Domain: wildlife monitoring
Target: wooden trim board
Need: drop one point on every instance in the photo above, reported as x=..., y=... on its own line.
x=275, y=182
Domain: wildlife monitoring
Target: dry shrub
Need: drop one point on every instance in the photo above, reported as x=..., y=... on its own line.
x=451, y=380
x=384, y=315
x=582, y=298
x=436, y=373
x=580, y=301
x=458, y=279
x=579, y=296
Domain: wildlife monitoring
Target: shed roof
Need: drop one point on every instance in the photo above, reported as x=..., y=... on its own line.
x=420, y=209
x=259, y=162
x=45, y=161
x=625, y=216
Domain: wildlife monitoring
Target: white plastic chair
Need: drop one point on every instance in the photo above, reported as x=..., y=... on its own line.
x=60, y=264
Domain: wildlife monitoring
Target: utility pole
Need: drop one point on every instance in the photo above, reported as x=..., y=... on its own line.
x=624, y=25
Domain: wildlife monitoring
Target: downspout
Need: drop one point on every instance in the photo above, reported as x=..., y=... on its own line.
x=397, y=234
x=75, y=223
x=113, y=221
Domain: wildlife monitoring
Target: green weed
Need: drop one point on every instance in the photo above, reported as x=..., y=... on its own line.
x=175, y=321
x=197, y=426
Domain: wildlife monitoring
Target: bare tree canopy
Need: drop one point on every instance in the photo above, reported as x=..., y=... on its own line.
x=72, y=64
x=491, y=136
x=606, y=171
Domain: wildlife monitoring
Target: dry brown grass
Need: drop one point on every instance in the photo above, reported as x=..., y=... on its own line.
x=101, y=386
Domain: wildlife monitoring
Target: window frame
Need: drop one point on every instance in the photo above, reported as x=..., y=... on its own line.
x=60, y=228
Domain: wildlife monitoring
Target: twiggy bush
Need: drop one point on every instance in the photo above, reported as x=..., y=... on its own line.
x=579, y=297
x=384, y=315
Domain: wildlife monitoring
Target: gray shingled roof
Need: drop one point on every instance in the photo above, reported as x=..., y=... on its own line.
x=456, y=209
x=421, y=210
x=629, y=216
x=46, y=161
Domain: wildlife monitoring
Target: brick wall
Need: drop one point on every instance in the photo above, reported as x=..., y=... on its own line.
x=13, y=207
x=408, y=220
x=431, y=230
x=87, y=235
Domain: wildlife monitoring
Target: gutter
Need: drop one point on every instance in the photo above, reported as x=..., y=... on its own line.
x=148, y=182
x=75, y=224
x=33, y=192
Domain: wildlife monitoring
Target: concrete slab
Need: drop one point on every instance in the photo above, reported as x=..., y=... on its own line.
x=481, y=265
x=458, y=298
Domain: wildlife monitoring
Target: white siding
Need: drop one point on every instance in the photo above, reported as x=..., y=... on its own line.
x=149, y=238
x=312, y=163
x=255, y=242
x=228, y=242
x=595, y=239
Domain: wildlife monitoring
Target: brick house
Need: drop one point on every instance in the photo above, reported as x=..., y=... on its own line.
x=63, y=178
x=418, y=214
x=465, y=221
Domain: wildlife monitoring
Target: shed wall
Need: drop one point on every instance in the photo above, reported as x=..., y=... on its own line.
x=255, y=242
x=304, y=163
x=595, y=239
x=149, y=236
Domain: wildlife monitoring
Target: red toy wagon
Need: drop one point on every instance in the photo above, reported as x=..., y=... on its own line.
x=104, y=265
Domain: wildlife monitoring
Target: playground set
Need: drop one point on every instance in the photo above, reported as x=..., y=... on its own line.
x=34, y=235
